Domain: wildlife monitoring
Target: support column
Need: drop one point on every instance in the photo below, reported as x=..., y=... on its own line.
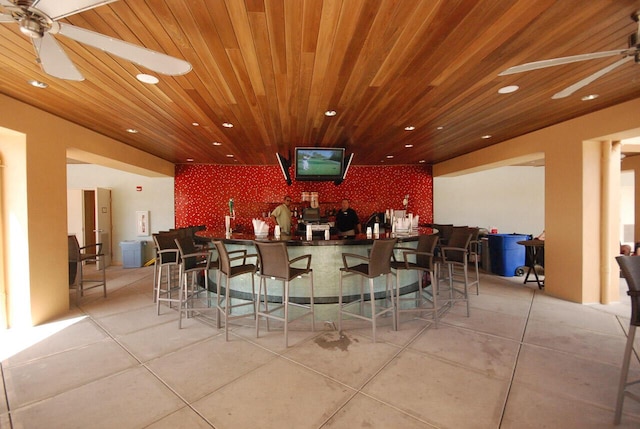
x=610, y=222
x=572, y=220
x=34, y=228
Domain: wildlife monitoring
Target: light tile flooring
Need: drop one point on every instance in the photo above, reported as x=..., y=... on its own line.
x=521, y=360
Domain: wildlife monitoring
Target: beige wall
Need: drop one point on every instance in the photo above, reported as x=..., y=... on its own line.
x=34, y=146
x=573, y=153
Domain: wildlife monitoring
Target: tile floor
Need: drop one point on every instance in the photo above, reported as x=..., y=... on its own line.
x=521, y=360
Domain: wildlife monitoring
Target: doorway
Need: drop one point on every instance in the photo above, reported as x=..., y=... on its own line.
x=89, y=219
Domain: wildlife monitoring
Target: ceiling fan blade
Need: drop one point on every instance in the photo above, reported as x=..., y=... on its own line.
x=57, y=9
x=558, y=61
x=53, y=60
x=586, y=81
x=156, y=61
x=5, y=14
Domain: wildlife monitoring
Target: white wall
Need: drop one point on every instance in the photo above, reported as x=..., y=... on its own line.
x=157, y=196
x=510, y=199
x=627, y=207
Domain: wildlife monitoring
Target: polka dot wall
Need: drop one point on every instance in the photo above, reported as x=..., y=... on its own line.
x=202, y=192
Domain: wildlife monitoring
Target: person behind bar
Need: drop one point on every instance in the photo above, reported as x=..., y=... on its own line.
x=282, y=215
x=347, y=221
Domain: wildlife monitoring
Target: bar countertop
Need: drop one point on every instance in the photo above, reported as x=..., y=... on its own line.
x=300, y=240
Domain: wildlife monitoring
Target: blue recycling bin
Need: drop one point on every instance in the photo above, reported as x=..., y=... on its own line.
x=132, y=253
x=506, y=254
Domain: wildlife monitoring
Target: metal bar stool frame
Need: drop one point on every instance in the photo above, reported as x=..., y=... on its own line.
x=630, y=266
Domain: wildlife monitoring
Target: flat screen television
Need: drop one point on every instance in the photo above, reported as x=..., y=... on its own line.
x=319, y=163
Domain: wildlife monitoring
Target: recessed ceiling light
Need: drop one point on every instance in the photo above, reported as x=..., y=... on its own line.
x=422, y=161
x=330, y=113
x=227, y=124
x=217, y=144
x=147, y=78
x=37, y=83
x=440, y=128
x=486, y=136
x=409, y=128
x=508, y=89
x=229, y=156
x=189, y=159
x=195, y=124
x=589, y=97
x=408, y=145
x=132, y=130
x=389, y=156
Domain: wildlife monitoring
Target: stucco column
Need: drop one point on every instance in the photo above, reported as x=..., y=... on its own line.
x=34, y=228
x=610, y=222
x=572, y=219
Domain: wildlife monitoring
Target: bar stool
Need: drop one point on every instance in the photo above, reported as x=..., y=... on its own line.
x=376, y=265
x=275, y=265
x=454, y=257
x=630, y=266
x=423, y=263
x=474, y=255
x=192, y=262
x=167, y=267
x=227, y=267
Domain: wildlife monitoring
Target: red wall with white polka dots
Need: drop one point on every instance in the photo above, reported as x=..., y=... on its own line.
x=202, y=192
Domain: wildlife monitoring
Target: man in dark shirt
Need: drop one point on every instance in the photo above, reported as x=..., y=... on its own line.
x=347, y=221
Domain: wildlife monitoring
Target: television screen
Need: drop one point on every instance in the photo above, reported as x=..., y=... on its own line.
x=316, y=163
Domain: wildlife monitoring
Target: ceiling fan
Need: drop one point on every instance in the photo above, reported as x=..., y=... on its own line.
x=38, y=19
x=631, y=53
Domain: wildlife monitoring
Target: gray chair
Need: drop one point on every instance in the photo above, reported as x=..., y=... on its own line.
x=193, y=261
x=376, y=265
x=454, y=259
x=78, y=257
x=421, y=260
x=230, y=268
x=630, y=266
x=276, y=265
x=166, y=269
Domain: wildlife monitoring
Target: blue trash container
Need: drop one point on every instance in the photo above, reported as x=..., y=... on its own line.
x=132, y=252
x=506, y=254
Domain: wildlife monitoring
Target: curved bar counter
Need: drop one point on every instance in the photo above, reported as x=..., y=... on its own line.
x=326, y=261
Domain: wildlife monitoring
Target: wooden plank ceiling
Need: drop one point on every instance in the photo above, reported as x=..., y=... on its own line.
x=273, y=67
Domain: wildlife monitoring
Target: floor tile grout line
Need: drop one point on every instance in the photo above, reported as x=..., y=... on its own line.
x=144, y=365
x=515, y=364
x=6, y=395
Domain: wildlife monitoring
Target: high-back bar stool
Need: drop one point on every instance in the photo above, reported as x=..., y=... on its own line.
x=376, y=265
x=474, y=255
x=193, y=261
x=167, y=260
x=275, y=265
x=232, y=264
x=454, y=258
x=630, y=266
x=421, y=260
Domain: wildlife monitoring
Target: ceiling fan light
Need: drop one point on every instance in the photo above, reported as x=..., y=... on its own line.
x=31, y=27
